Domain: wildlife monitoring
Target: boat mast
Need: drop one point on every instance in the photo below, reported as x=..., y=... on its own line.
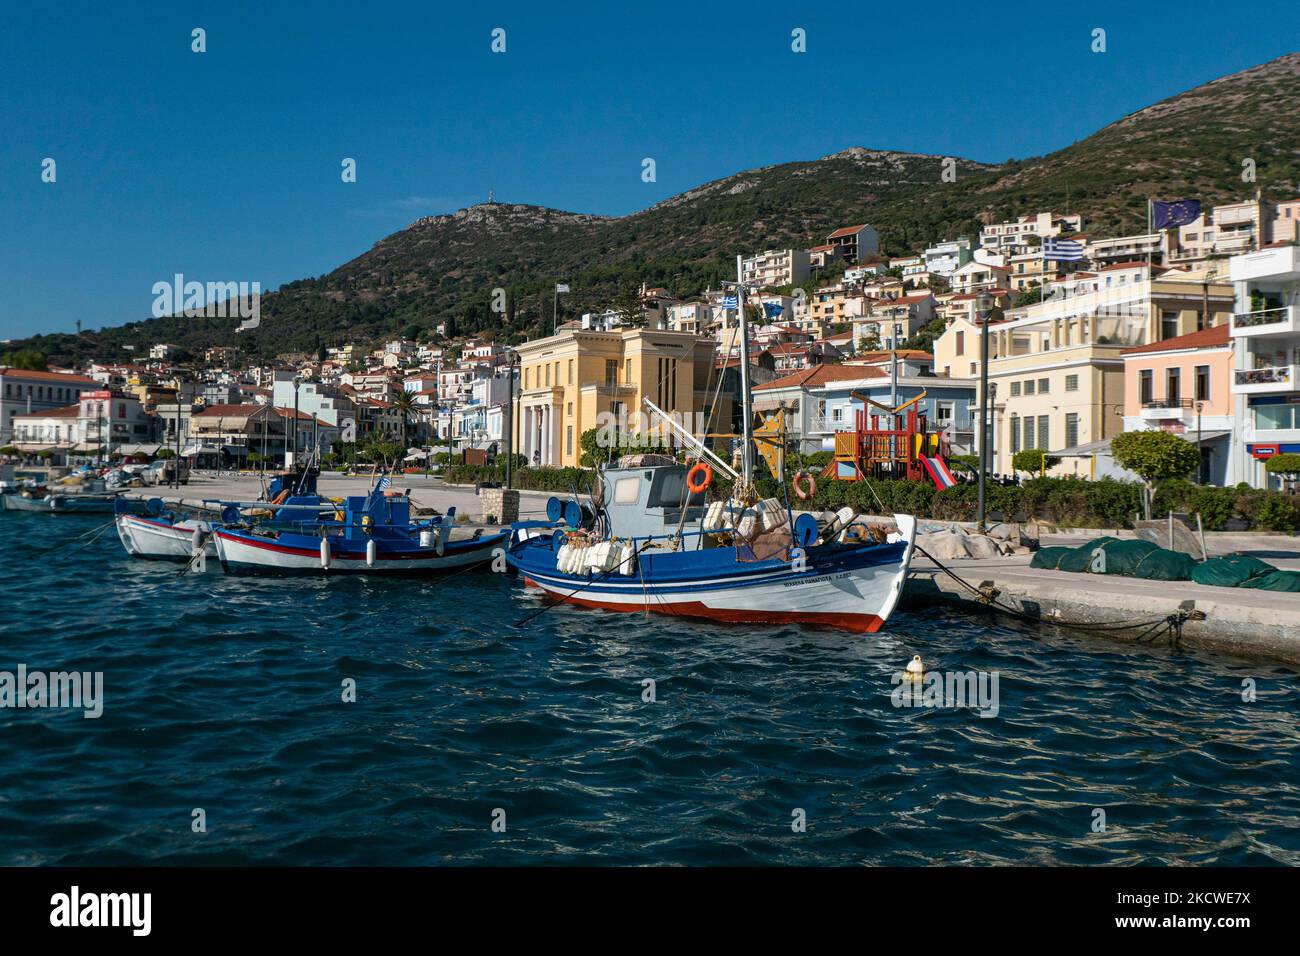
x=746, y=400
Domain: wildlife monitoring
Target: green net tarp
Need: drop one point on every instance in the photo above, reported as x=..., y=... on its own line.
x=1275, y=580
x=1130, y=558
x=1049, y=558
x=1230, y=571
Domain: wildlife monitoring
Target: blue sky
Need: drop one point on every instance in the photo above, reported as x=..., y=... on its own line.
x=224, y=166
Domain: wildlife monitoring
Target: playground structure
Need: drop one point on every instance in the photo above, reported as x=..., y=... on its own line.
x=891, y=443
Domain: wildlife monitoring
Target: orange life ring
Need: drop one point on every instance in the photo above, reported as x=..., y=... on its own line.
x=802, y=476
x=708, y=477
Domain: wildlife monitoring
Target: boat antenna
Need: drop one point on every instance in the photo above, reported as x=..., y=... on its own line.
x=746, y=399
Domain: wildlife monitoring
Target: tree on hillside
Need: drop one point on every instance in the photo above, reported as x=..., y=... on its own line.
x=1154, y=456
x=29, y=360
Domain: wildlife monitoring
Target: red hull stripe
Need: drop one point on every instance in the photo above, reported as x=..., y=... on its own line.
x=860, y=623
x=344, y=555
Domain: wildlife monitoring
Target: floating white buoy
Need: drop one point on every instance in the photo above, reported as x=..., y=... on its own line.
x=370, y=553
x=915, y=668
x=325, y=553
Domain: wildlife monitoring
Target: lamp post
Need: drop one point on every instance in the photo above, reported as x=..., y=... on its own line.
x=984, y=308
x=512, y=358
x=1200, y=457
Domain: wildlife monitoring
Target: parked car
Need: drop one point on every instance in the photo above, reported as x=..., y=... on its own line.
x=163, y=471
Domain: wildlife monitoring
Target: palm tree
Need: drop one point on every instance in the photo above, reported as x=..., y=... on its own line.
x=405, y=405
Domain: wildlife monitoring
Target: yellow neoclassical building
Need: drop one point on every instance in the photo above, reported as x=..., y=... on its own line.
x=572, y=382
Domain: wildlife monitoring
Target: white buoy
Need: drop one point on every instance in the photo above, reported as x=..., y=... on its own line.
x=325, y=553
x=196, y=541
x=915, y=668
x=370, y=553
x=443, y=531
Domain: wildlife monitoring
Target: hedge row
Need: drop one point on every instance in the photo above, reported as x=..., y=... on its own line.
x=1073, y=502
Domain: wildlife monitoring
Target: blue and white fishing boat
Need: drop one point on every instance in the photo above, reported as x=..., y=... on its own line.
x=652, y=544
x=370, y=534
x=152, y=530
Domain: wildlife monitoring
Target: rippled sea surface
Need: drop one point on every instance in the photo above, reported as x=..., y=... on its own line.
x=224, y=694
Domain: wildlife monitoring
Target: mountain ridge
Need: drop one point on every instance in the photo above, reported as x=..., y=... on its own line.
x=444, y=267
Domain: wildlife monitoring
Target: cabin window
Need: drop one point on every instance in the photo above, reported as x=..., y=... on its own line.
x=627, y=491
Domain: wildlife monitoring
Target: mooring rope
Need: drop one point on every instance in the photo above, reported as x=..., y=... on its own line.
x=1173, y=621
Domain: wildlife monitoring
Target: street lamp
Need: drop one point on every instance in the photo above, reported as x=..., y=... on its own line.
x=512, y=359
x=1200, y=456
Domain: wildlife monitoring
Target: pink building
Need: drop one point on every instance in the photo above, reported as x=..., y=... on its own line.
x=1184, y=385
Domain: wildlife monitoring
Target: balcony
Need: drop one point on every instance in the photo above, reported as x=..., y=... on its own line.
x=1164, y=409
x=1284, y=320
x=1278, y=378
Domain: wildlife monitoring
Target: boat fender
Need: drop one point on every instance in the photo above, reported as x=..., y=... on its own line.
x=627, y=559
x=196, y=541
x=325, y=553
x=440, y=540
x=370, y=553
x=805, y=485
x=915, y=669
x=696, y=481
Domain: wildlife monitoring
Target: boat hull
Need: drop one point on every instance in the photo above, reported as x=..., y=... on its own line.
x=161, y=540
x=243, y=553
x=15, y=502
x=849, y=588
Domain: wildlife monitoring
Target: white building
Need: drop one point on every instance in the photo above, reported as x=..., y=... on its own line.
x=23, y=392
x=1266, y=338
x=776, y=267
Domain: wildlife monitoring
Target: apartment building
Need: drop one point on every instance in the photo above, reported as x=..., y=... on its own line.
x=854, y=242
x=891, y=322
x=776, y=267
x=1015, y=236
x=23, y=392
x=1235, y=228
x=977, y=276
x=1153, y=247
x=578, y=379
x=1183, y=385
x=945, y=258
x=1265, y=334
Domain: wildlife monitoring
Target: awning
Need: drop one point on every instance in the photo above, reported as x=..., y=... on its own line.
x=140, y=449
x=190, y=450
x=1103, y=447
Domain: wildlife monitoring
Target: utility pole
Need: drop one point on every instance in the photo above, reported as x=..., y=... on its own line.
x=984, y=310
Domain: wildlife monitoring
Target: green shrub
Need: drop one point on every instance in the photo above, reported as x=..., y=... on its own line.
x=1278, y=513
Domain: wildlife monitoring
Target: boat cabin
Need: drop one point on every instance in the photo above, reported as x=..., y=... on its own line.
x=646, y=494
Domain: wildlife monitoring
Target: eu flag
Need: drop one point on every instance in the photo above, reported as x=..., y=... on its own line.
x=772, y=309
x=1177, y=213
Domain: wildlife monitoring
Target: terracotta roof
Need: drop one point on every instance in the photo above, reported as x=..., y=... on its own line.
x=1131, y=264
x=47, y=376
x=847, y=231
x=66, y=411
x=822, y=375
x=882, y=354
x=1214, y=337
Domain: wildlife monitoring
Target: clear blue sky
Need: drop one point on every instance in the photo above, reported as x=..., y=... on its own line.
x=225, y=165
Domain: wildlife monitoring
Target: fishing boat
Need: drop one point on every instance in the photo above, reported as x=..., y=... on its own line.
x=163, y=534
x=370, y=534
x=650, y=542
x=91, y=499
x=154, y=531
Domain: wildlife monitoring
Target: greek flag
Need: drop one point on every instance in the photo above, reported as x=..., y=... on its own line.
x=730, y=301
x=1063, y=250
x=383, y=483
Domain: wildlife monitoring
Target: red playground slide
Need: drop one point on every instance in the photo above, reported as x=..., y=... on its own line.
x=939, y=472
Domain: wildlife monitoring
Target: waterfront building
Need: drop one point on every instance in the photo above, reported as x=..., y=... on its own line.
x=581, y=379
x=23, y=392
x=1265, y=334
x=1183, y=385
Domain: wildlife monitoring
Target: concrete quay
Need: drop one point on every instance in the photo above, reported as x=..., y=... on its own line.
x=1239, y=621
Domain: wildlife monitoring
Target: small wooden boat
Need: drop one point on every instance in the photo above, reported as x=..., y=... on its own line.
x=162, y=534
x=371, y=534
